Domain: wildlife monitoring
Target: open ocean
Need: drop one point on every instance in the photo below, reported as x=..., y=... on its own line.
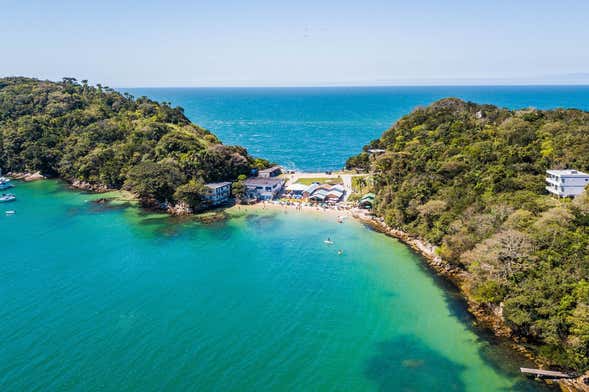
x=319, y=128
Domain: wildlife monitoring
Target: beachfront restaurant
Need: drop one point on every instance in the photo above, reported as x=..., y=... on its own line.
x=319, y=195
x=296, y=190
x=263, y=188
x=334, y=195
x=310, y=189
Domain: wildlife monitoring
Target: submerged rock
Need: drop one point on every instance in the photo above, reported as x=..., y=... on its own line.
x=212, y=217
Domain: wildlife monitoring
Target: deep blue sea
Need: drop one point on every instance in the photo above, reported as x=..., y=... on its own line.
x=319, y=128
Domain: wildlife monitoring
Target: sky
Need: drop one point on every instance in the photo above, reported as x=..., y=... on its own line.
x=143, y=43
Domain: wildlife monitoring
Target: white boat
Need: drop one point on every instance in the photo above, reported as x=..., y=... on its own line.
x=328, y=241
x=10, y=212
x=7, y=197
x=5, y=183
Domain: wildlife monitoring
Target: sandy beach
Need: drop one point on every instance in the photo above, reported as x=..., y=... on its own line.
x=293, y=208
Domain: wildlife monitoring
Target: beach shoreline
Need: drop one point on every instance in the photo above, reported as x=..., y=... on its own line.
x=295, y=208
x=435, y=264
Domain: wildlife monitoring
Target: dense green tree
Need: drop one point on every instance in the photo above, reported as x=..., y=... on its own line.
x=193, y=194
x=154, y=181
x=107, y=139
x=238, y=188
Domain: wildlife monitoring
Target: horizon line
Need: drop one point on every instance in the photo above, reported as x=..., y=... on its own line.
x=584, y=84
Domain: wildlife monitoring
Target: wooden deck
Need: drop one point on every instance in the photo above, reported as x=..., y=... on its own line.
x=544, y=373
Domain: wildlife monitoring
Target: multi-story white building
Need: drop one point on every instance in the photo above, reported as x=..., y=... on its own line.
x=263, y=188
x=566, y=183
x=218, y=192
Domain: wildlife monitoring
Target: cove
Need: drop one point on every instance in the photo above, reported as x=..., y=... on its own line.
x=110, y=297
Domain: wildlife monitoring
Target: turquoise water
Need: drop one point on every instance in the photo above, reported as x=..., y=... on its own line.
x=319, y=128
x=110, y=298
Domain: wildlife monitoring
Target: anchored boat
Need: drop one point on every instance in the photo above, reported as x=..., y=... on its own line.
x=6, y=197
x=5, y=183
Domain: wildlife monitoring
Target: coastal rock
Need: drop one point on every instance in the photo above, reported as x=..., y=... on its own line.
x=213, y=217
x=102, y=200
x=86, y=186
x=179, y=209
x=34, y=177
x=26, y=176
x=579, y=384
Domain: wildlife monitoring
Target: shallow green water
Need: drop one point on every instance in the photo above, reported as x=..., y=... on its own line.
x=97, y=297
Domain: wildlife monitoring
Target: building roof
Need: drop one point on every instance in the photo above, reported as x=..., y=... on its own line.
x=270, y=169
x=296, y=187
x=336, y=193
x=311, y=188
x=320, y=194
x=215, y=185
x=338, y=187
x=257, y=181
x=567, y=173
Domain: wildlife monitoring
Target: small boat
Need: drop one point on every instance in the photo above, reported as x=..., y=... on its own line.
x=340, y=252
x=328, y=241
x=5, y=184
x=7, y=197
x=10, y=212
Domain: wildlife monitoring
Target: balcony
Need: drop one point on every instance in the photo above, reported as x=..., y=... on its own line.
x=554, y=191
x=553, y=181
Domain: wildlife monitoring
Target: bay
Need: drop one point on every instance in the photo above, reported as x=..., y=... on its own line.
x=110, y=297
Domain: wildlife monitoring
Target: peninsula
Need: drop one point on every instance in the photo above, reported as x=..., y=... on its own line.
x=99, y=139
x=470, y=181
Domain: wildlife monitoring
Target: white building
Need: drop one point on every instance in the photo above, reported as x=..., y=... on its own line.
x=273, y=171
x=263, y=188
x=566, y=183
x=218, y=192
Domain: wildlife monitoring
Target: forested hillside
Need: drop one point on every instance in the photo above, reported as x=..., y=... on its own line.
x=106, y=139
x=470, y=179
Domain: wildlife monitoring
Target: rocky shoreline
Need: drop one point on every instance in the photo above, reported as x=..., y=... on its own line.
x=489, y=318
x=27, y=177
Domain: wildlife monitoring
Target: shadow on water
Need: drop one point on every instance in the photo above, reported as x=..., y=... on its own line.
x=495, y=351
x=405, y=363
x=260, y=223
